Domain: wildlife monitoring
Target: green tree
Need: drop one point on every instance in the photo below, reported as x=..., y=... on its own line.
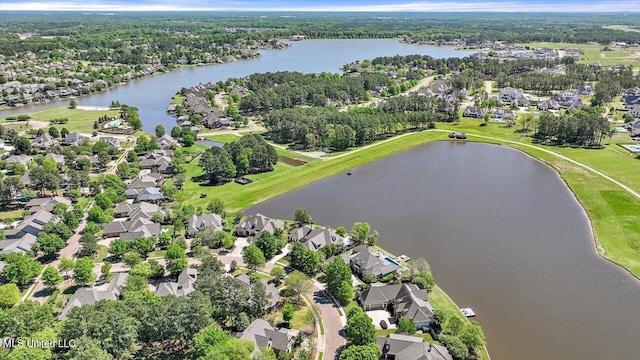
x=49, y=244
x=287, y=312
x=103, y=201
x=53, y=132
x=9, y=295
x=83, y=272
x=302, y=217
x=253, y=257
x=132, y=259
x=268, y=244
x=472, y=336
x=73, y=104
x=156, y=269
x=216, y=206
x=217, y=165
x=87, y=348
x=118, y=248
x=345, y=292
x=105, y=270
x=33, y=352
x=176, y=259
x=360, y=232
x=51, y=277
x=336, y=272
x=360, y=329
x=299, y=283
x=22, y=145
x=97, y=215
x=364, y=352
x=25, y=318
x=20, y=269
x=453, y=325
x=208, y=337
x=88, y=245
x=456, y=347
x=304, y=259
x=406, y=326
x=160, y=131
x=278, y=274
x=66, y=264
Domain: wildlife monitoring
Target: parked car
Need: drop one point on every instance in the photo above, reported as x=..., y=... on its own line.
x=383, y=324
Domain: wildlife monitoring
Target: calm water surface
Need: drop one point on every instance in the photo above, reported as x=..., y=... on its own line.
x=503, y=234
x=152, y=95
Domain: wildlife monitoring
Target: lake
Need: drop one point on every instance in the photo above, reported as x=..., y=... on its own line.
x=503, y=234
x=152, y=95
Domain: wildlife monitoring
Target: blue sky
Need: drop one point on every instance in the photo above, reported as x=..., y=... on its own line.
x=328, y=5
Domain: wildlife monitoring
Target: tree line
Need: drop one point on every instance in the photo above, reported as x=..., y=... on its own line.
x=585, y=128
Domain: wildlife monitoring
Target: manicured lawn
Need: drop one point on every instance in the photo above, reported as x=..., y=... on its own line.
x=177, y=99
x=102, y=253
x=79, y=120
x=11, y=215
x=223, y=138
x=592, y=53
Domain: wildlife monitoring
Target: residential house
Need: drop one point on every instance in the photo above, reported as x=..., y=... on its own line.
x=262, y=334
x=474, y=112
x=404, y=300
x=73, y=139
x=57, y=158
x=44, y=142
x=521, y=101
x=23, y=160
x=166, y=141
x=131, y=229
x=566, y=99
x=504, y=114
x=89, y=295
x=548, y=105
x=93, y=159
x=314, y=239
x=631, y=98
x=113, y=141
x=273, y=295
x=143, y=181
x=635, y=111
x=20, y=245
x=148, y=194
x=405, y=347
x=583, y=89
x=363, y=260
x=32, y=224
x=158, y=161
x=510, y=94
x=253, y=225
x=633, y=128
x=182, y=287
x=137, y=210
x=214, y=119
x=197, y=223
x=46, y=203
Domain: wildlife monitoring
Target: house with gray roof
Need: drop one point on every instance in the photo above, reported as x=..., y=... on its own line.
x=363, y=260
x=32, y=224
x=405, y=347
x=262, y=334
x=23, y=160
x=405, y=300
x=131, y=229
x=57, y=158
x=148, y=194
x=548, y=105
x=166, y=141
x=509, y=94
x=44, y=142
x=143, y=181
x=273, y=295
x=137, y=210
x=19, y=245
x=474, y=112
x=46, y=203
x=158, y=161
x=73, y=139
x=253, y=225
x=89, y=295
x=182, y=287
x=314, y=239
x=197, y=223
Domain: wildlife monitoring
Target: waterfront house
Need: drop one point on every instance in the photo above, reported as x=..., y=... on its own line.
x=405, y=347
x=166, y=141
x=363, y=260
x=404, y=300
x=314, y=239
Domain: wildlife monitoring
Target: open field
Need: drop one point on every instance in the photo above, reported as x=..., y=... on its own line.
x=622, y=28
x=79, y=120
x=593, y=53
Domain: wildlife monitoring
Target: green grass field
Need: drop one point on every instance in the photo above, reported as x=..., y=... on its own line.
x=592, y=53
x=79, y=120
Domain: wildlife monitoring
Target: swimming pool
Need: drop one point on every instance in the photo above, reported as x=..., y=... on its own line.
x=391, y=262
x=632, y=148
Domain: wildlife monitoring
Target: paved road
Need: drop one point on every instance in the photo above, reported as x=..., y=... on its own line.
x=332, y=321
x=40, y=293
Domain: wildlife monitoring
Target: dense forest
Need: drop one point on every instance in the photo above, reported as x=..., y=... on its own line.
x=164, y=33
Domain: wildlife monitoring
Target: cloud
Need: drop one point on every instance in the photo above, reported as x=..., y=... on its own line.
x=357, y=6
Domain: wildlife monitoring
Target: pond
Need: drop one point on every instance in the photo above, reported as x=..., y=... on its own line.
x=503, y=234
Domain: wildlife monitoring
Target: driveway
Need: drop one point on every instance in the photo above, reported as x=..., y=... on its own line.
x=379, y=315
